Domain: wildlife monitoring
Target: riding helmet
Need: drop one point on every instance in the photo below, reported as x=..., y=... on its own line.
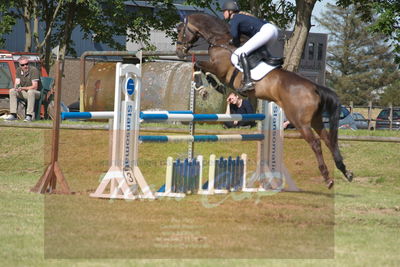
x=230, y=5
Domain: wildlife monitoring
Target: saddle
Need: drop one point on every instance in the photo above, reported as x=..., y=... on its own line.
x=262, y=54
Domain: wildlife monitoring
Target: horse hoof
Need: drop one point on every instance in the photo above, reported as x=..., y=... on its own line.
x=349, y=176
x=203, y=93
x=330, y=184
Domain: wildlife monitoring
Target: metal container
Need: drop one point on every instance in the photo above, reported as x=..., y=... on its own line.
x=165, y=86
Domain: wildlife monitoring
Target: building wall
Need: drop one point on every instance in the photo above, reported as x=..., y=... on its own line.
x=313, y=62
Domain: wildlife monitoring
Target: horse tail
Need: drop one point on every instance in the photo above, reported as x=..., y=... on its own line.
x=330, y=104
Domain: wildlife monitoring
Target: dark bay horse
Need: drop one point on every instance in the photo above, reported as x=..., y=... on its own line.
x=302, y=100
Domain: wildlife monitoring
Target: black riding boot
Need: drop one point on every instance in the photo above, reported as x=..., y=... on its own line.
x=248, y=84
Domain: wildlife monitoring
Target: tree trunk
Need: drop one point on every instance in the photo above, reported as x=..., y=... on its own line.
x=49, y=16
x=67, y=31
x=28, y=30
x=294, y=46
x=35, y=24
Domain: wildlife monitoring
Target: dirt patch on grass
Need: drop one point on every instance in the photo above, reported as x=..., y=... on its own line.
x=379, y=211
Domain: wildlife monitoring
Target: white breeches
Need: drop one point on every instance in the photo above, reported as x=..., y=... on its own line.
x=267, y=35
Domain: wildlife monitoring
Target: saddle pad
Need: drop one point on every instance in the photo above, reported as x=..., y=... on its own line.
x=256, y=73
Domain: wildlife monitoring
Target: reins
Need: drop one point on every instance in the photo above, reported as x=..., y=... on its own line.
x=188, y=45
x=224, y=46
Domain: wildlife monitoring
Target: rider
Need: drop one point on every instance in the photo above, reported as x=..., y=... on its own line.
x=261, y=32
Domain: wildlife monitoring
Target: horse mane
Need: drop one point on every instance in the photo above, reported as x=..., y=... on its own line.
x=211, y=24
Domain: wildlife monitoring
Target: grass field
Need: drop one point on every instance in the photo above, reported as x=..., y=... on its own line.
x=355, y=224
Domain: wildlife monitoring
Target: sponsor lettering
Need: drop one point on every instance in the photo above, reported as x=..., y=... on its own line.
x=128, y=132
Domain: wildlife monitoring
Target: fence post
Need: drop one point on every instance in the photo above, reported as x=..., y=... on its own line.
x=369, y=115
x=351, y=107
x=390, y=115
x=192, y=107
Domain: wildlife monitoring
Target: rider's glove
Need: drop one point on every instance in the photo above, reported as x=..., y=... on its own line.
x=234, y=42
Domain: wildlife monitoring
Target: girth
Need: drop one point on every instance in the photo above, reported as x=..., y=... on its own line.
x=232, y=80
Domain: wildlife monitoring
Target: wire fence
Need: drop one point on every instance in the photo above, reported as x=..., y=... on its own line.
x=391, y=123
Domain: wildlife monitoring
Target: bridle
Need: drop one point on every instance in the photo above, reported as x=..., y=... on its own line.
x=185, y=44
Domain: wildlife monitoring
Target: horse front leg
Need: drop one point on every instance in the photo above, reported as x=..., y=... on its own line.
x=209, y=67
x=206, y=66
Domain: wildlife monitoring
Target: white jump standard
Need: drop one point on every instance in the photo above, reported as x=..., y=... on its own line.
x=124, y=177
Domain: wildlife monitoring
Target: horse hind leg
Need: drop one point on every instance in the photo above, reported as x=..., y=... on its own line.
x=315, y=144
x=334, y=148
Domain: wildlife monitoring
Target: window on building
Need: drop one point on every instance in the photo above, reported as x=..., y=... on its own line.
x=320, y=51
x=311, y=48
x=5, y=76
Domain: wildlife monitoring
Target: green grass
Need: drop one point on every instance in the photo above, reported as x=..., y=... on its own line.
x=354, y=225
x=393, y=133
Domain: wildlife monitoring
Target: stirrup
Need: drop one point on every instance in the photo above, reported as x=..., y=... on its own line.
x=246, y=87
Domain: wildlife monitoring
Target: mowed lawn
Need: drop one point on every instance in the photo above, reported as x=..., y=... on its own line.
x=356, y=224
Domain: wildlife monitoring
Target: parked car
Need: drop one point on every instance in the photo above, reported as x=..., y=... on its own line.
x=382, y=121
x=346, y=120
x=360, y=120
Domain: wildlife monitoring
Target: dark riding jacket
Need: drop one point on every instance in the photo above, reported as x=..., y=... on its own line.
x=244, y=24
x=245, y=108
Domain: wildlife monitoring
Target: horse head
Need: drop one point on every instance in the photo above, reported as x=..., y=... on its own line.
x=212, y=29
x=186, y=38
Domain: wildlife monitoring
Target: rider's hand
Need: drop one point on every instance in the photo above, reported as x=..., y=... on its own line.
x=234, y=42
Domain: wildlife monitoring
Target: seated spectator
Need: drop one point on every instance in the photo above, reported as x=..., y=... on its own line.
x=25, y=86
x=238, y=105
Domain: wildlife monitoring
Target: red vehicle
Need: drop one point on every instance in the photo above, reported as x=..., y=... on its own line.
x=8, y=66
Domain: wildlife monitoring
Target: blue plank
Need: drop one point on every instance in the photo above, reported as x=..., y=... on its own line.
x=75, y=115
x=251, y=117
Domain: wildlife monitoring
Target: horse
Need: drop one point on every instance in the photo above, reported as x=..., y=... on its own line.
x=302, y=100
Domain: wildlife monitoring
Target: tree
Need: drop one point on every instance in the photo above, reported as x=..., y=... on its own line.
x=360, y=65
x=49, y=11
x=7, y=20
x=279, y=12
x=100, y=16
x=391, y=95
x=26, y=11
x=97, y=19
x=383, y=16
x=102, y=20
x=294, y=46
